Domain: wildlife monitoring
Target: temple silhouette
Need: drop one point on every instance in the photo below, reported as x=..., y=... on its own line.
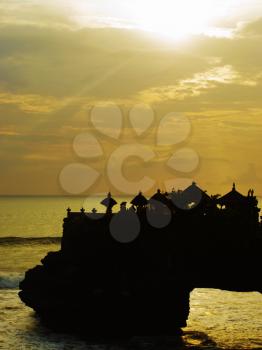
x=130, y=271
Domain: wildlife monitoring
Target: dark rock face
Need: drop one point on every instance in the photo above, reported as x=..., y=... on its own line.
x=110, y=290
x=67, y=300
x=98, y=286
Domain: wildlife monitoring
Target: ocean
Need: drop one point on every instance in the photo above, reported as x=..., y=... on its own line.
x=32, y=226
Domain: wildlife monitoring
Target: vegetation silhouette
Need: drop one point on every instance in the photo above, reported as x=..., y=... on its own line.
x=137, y=281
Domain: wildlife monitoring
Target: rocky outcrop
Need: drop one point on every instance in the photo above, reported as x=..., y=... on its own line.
x=97, y=286
x=70, y=298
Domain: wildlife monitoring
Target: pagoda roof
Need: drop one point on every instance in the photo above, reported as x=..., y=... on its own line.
x=232, y=197
x=109, y=201
x=160, y=197
x=139, y=200
x=195, y=193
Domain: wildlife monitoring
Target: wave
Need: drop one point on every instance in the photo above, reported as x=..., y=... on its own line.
x=29, y=240
x=11, y=281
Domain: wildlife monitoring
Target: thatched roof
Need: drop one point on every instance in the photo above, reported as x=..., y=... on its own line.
x=109, y=202
x=232, y=197
x=139, y=200
x=193, y=193
x=160, y=197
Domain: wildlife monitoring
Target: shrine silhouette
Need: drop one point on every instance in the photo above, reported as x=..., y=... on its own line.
x=130, y=270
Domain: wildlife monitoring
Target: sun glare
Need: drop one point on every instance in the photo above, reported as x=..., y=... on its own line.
x=177, y=18
x=173, y=18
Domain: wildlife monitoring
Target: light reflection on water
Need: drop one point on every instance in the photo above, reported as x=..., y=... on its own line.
x=209, y=327
x=231, y=319
x=42, y=216
x=218, y=320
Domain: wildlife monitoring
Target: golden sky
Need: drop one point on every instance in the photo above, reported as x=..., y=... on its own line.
x=196, y=57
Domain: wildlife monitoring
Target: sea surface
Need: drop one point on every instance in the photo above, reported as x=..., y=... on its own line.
x=32, y=226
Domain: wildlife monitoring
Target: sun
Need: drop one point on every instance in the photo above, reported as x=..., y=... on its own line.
x=177, y=18
x=173, y=18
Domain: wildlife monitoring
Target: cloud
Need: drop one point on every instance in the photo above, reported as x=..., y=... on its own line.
x=34, y=13
x=31, y=103
x=51, y=76
x=251, y=29
x=8, y=133
x=200, y=83
x=85, y=63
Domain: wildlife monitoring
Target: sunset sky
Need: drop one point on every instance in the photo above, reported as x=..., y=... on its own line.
x=202, y=58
